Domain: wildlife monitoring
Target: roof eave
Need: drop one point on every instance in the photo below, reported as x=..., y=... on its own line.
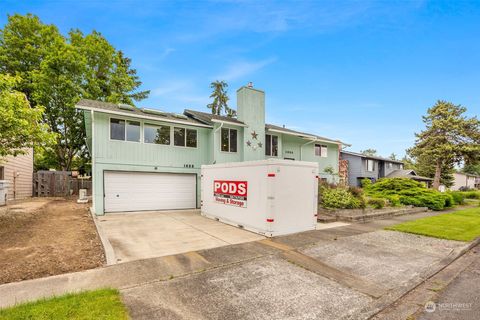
x=141, y=116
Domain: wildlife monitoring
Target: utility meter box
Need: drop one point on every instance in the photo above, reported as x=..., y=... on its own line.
x=271, y=197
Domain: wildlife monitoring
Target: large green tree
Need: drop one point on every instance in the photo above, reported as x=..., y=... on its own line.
x=369, y=152
x=449, y=137
x=220, y=98
x=58, y=70
x=20, y=125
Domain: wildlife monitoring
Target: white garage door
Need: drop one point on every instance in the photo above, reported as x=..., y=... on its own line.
x=140, y=191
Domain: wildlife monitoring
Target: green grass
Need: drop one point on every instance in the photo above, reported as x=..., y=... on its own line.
x=463, y=225
x=98, y=304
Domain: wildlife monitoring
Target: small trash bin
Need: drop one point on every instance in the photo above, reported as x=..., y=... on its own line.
x=3, y=192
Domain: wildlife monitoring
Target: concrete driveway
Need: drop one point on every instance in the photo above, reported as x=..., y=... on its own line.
x=151, y=234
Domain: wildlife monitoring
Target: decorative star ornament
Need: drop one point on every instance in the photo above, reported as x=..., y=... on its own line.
x=249, y=143
x=254, y=135
x=259, y=144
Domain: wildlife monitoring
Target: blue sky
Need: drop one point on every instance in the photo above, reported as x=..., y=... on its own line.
x=360, y=71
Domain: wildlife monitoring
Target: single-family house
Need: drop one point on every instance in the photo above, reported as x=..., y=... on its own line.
x=465, y=181
x=18, y=172
x=361, y=166
x=146, y=159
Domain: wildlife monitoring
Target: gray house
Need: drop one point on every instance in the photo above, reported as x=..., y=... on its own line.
x=361, y=166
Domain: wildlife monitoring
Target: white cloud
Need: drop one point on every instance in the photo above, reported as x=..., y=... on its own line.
x=241, y=69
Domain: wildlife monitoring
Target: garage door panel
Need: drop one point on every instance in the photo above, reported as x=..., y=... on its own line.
x=139, y=191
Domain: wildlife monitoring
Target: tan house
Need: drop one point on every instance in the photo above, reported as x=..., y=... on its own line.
x=464, y=181
x=18, y=171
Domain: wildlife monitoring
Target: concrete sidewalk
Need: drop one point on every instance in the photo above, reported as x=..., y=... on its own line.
x=350, y=271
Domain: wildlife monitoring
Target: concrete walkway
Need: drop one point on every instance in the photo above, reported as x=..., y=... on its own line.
x=142, y=235
x=348, y=271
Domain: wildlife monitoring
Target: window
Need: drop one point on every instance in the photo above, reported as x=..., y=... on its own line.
x=228, y=140
x=390, y=165
x=2, y=173
x=121, y=129
x=271, y=145
x=370, y=165
x=133, y=131
x=156, y=134
x=191, y=138
x=185, y=137
x=117, y=129
x=321, y=150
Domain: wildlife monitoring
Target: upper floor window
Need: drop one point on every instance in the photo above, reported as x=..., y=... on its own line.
x=156, y=134
x=185, y=137
x=228, y=140
x=271, y=145
x=370, y=165
x=133, y=131
x=117, y=129
x=124, y=130
x=321, y=150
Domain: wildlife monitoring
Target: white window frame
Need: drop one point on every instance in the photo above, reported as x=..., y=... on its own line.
x=229, y=129
x=151, y=125
x=185, y=140
x=373, y=165
x=323, y=150
x=270, y=142
x=124, y=129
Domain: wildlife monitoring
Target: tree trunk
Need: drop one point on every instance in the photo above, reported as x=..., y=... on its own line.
x=438, y=173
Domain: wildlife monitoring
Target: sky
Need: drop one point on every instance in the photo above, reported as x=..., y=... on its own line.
x=363, y=72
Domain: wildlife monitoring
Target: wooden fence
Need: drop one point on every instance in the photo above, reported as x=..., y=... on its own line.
x=58, y=184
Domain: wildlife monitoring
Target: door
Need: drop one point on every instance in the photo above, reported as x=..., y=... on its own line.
x=143, y=191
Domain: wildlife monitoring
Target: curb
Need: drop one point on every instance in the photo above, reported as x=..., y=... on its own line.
x=107, y=246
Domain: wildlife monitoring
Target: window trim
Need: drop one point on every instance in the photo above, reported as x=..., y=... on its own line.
x=185, y=140
x=366, y=165
x=271, y=145
x=125, y=130
x=321, y=155
x=151, y=125
x=220, y=137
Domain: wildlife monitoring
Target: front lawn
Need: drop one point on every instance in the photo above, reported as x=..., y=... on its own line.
x=463, y=225
x=99, y=304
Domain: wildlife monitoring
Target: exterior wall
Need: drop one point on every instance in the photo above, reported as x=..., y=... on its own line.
x=220, y=156
x=19, y=172
x=357, y=168
x=138, y=156
x=251, y=110
x=462, y=180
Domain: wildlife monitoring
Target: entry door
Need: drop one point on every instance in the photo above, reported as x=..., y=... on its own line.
x=142, y=191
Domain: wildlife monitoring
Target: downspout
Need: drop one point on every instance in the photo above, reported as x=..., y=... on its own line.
x=93, y=165
x=301, y=147
x=213, y=147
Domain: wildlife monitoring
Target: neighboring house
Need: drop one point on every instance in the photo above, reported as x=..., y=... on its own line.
x=362, y=166
x=145, y=159
x=465, y=180
x=18, y=171
x=410, y=174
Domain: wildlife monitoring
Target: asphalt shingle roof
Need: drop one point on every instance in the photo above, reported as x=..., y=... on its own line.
x=109, y=107
x=208, y=117
x=405, y=173
x=370, y=157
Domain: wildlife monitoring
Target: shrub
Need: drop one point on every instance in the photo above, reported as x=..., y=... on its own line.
x=472, y=194
x=409, y=192
x=377, y=203
x=366, y=183
x=338, y=198
x=458, y=197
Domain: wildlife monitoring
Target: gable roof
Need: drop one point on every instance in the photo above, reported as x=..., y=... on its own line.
x=210, y=119
x=406, y=173
x=370, y=157
x=112, y=108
